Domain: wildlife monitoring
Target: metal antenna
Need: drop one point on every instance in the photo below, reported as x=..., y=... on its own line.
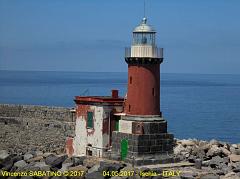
x=144, y=10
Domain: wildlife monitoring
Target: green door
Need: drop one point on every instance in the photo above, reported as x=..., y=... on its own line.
x=117, y=125
x=124, y=148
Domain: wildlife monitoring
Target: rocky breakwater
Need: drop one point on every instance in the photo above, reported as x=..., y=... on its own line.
x=36, y=164
x=213, y=158
x=199, y=160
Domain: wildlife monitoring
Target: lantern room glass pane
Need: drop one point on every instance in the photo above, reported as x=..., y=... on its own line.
x=143, y=38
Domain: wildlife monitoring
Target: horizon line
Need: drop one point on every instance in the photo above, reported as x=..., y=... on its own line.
x=117, y=72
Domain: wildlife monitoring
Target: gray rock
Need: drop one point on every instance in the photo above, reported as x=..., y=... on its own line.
x=20, y=164
x=231, y=175
x=236, y=167
x=27, y=156
x=206, y=163
x=214, y=142
x=216, y=161
x=55, y=161
x=198, y=152
x=78, y=160
x=65, y=166
x=42, y=166
x=214, y=151
x=234, y=146
x=210, y=176
x=188, y=142
x=110, y=166
x=6, y=164
x=179, y=149
x=226, y=169
x=38, y=153
x=187, y=176
x=198, y=163
x=68, y=160
x=90, y=162
x=234, y=158
x=225, y=151
x=17, y=158
x=94, y=175
x=237, y=151
x=3, y=154
x=47, y=154
x=94, y=168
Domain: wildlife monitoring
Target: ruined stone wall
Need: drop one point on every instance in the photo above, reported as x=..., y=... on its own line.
x=28, y=127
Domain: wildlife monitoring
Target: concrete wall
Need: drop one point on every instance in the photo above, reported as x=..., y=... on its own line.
x=27, y=127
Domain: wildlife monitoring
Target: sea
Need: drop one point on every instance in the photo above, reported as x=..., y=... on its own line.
x=200, y=106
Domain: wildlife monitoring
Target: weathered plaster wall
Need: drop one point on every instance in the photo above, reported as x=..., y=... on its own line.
x=98, y=137
x=89, y=136
x=26, y=127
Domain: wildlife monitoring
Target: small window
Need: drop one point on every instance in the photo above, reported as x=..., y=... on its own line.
x=129, y=108
x=153, y=92
x=130, y=80
x=89, y=119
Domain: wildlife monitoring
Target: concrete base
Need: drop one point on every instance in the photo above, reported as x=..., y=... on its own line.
x=148, y=141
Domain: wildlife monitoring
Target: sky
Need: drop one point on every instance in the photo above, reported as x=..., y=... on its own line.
x=198, y=36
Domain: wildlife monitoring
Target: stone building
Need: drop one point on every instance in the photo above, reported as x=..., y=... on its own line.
x=96, y=118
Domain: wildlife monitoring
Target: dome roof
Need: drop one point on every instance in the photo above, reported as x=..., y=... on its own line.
x=143, y=27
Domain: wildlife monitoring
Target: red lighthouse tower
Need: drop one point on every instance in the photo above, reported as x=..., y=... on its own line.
x=142, y=137
x=143, y=59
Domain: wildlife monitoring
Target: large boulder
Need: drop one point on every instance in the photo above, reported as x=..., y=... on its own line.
x=27, y=156
x=214, y=151
x=20, y=164
x=78, y=160
x=225, y=151
x=216, y=161
x=234, y=158
x=198, y=152
x=42, y=166
x=188, y=142
x=55, y=161
x=179, y=149
x=3, y=154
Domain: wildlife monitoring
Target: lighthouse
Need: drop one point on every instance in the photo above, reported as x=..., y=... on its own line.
x=143, y=59
x=142, y=137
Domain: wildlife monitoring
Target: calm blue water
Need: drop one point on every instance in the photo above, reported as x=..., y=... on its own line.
x=196, y=106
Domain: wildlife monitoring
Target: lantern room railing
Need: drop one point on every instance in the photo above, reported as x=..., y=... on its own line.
x=144, y=51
